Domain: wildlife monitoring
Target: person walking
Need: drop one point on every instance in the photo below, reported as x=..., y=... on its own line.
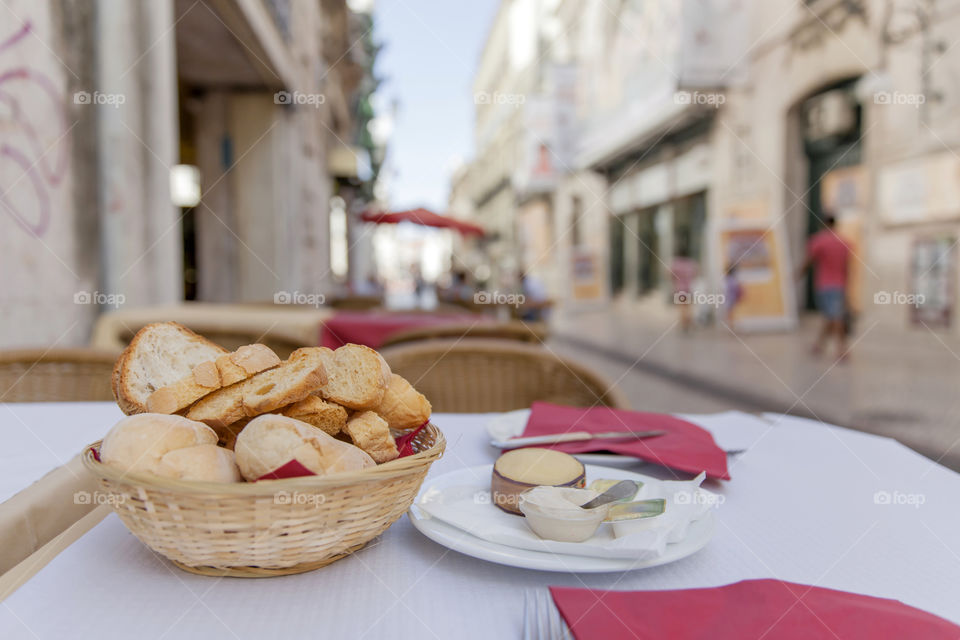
x=732, y=294
x=829, y=255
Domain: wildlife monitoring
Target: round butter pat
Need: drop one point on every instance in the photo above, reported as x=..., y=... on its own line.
x=520, y=469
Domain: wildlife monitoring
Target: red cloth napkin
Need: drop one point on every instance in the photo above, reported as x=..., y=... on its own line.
x=292, y=469
x=769, y=609
x=405, y=442
x=372, y=328
x=684, y=446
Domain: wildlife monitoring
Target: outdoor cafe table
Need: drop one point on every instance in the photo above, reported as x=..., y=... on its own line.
x=372, y=328
x=807, y=503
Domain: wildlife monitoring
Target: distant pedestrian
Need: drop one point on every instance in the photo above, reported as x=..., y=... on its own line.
x=732, y=293
x=829, y=255
x=683, y=271
x=536, y=303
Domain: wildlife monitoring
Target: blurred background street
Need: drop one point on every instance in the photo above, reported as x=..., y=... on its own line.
x=681, y=195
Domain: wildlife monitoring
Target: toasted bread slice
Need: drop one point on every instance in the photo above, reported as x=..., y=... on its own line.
x=159, y=355
x=327, y=416
x=370, y=432
x=209, y=376
x=357, y=375
x=403, y=407
x=267, y=391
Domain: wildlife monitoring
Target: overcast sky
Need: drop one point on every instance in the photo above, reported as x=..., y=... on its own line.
x=431, y=51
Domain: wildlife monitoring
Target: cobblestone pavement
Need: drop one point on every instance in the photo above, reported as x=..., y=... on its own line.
x=904, y=385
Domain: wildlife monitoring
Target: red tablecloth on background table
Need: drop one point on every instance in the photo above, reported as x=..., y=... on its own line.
x=747, y=609
x=373, y=328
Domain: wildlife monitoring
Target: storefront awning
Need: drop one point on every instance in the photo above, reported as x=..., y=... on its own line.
x=423, y=217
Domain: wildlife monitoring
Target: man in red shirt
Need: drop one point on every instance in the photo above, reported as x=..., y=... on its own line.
x=830, y=257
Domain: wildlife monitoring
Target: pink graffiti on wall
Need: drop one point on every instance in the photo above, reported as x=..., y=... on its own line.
x=41, y=167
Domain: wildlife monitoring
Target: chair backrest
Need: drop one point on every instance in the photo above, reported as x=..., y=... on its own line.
x=478, y=375
x=56, y=375
x=534, y=333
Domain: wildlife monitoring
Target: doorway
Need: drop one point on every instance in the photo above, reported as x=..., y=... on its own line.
x=832, y=139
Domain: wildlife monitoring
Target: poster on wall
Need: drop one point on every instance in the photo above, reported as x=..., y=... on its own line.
x=586, y=280
x=715, y=43
x=920, y=189
x=755, y=256
x=932, y=268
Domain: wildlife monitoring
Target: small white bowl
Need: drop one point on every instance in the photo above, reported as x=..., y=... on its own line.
x=565, y=526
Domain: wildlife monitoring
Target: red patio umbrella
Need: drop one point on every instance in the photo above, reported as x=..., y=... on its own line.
x=425, y=217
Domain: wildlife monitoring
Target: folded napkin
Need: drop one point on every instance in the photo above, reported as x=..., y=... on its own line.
x=684, y=446
x=468, y=507
x=748, y=609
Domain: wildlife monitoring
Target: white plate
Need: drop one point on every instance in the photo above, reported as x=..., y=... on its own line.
x=512, y=423
x=698, y=535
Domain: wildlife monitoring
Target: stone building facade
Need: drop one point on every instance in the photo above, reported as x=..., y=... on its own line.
x=104, y=97
x=728, y=130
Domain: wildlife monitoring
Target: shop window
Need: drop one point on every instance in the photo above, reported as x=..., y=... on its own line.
x=576, y=220
x=616, y=254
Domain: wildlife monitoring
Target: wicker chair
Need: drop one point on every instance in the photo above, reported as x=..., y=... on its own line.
x=55, y=375
x=479, y=375
x=534, y=333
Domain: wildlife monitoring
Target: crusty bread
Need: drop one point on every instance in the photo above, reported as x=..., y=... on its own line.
x=329, y=417
x=204, y=462
x=403, y=407
x=138, y=443
x=370, y=432
x=228, y=434
x=271, y=441
x=269, y=390
x=209, y=376
x=244, y=362
x=357, y=375
x=159, y=355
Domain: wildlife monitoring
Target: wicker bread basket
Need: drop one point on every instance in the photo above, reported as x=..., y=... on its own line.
x=271, y=527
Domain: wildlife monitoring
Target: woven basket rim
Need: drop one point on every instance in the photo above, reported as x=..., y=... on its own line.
x=385, y=471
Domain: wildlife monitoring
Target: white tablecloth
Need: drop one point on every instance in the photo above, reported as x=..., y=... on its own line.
x=41, y=436
x=807, y=503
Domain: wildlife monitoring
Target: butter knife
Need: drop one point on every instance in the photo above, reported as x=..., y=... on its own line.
x=573, y=436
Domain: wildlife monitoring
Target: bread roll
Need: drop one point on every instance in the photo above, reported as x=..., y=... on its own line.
x=139, y=442
x=269, y=390
x=357, y=376
x=326, y=416
x=270, y=441
x=370, y=432
x=204, y=462
x=211, y=375
x=159, y=355
x=403, y=407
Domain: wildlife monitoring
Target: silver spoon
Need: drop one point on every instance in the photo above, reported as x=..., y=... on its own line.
x=619, y=491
